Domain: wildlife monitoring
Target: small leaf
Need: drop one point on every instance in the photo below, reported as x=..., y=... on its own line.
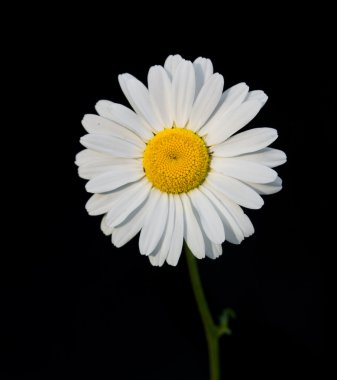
x=225, y=316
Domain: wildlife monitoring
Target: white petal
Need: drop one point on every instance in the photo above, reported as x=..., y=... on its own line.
x=128, y=202
x=183, y=90
x=155, y=256
x=130, y=227
x=122, y=79
x=105, y=228
x=213, y=251
x=233, y=233
x=192, y=231
x=232, y=122
x=240, y=217
x=160, y=89
x=246, y=225
x=230, y=100
x=203, y=68
x=216, y=250
x=121, y=175
x=87, y=156
x=206, y=102
x=238, y=221
x=159, y=255
x=101, y=203
x=235, y=190
x=210, y=219
x=111, y=145
x=98, y=125
x=244, y=171
x=245, y=142
x=101, y=166
x=154, y=223
x=257, y=94
x=125, y=117
x=267, y=188
x=141, y=102
x=178, y=233
x=267, y=156
x=171, y=64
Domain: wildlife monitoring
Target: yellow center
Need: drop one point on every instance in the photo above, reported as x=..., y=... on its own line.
x=176, y=160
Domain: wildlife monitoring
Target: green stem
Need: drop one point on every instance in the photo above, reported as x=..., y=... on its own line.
x=211, y=330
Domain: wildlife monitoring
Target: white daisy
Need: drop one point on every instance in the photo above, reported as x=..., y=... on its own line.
x=173, y=168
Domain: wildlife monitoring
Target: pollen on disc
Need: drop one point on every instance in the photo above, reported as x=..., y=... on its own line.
x=176, y=160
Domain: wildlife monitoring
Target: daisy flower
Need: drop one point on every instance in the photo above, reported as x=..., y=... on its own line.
x=174, y=168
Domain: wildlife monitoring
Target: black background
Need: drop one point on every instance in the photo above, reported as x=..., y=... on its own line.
x=72, y=303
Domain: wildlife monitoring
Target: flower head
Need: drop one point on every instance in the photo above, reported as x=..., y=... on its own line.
x=173, y=169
